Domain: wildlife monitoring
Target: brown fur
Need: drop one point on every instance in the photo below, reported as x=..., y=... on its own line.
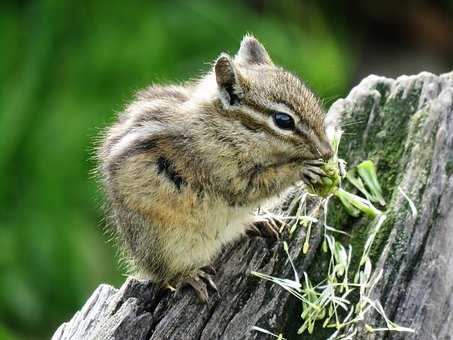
x=186, y=166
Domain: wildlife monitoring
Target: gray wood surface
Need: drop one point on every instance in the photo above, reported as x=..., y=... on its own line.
x=406, y=127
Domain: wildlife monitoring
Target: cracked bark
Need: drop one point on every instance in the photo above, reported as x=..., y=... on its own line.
x=406, y=127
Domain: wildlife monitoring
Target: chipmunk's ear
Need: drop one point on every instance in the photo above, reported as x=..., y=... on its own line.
x=228, y=81
x=252, y=52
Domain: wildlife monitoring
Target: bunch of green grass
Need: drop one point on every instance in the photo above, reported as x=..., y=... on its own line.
x=328, y=303
x=366, y=183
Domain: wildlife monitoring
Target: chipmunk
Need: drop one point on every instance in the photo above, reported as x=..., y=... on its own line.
x=186, y=166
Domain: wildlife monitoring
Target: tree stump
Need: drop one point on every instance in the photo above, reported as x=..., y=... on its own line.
x=406, y=127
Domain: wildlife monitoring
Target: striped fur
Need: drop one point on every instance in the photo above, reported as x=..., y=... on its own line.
x=185, y=166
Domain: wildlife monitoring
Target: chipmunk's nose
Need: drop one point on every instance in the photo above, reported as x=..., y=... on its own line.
x=326, y=151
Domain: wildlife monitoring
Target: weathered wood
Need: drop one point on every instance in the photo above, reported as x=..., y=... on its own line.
x=406, y=127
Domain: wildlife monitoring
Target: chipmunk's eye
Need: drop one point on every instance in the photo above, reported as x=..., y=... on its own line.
x=283, y=121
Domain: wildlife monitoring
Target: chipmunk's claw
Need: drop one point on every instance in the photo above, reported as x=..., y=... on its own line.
x=209, y=269
x=199, y=287
x=209, y=279
x=312, y=174
x=315, y=169
x=200, y=281
x=267, y=227
x=315, y=162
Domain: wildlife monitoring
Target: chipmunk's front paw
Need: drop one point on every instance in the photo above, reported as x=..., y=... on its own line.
x=312, y=172
x=266, y=227
x=200, y=281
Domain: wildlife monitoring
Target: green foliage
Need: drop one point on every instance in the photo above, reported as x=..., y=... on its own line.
x=65, y=69
x=342, y=297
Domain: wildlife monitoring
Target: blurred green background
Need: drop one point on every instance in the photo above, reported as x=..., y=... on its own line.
x=66, y=67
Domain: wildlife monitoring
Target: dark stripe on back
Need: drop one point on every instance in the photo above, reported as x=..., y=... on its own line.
x=166, y=167
x=158, y=114
x=140, y=146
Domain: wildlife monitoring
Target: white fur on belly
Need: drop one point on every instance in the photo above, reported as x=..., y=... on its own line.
x=220, y=226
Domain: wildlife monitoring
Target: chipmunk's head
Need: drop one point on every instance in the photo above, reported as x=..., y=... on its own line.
x=271, y=104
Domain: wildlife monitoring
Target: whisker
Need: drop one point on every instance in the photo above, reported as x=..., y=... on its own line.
x=351, y=123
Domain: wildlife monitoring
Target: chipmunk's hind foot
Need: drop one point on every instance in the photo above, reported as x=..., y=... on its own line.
x=266, y=227
x=200, y=281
